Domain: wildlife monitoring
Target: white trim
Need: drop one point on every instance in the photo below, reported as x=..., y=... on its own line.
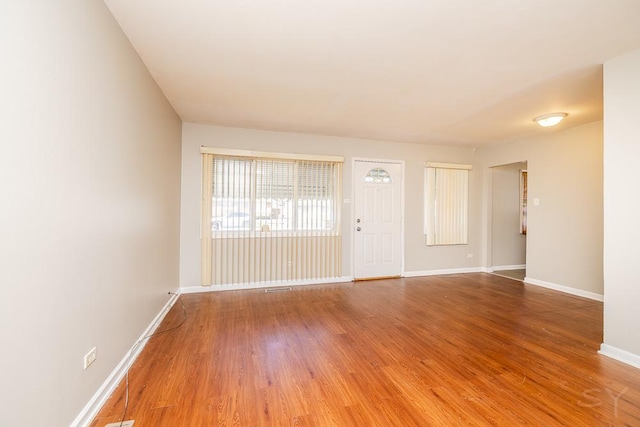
x=269, y=155
x=439, y=165
x=446, y=271
x=565, y=289
x=260, y=285
x=620, y=355
x=507, y=267
x=91, y=409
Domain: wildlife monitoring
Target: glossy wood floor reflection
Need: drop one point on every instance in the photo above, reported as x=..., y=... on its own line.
x=473, y=349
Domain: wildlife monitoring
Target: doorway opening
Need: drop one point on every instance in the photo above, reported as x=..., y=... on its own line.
x=509, y=184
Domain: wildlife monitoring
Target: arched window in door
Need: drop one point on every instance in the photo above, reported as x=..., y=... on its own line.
x=378, y=176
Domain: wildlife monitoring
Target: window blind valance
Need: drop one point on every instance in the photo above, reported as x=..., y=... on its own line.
x=230, y=152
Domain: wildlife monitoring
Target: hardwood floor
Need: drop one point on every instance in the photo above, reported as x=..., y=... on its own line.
x=473, y=349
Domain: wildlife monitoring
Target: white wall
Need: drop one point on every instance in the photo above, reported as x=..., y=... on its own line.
x=418, y=257
x=621, y=203
x=508, y=245
x=564, y=237
x=90, y=182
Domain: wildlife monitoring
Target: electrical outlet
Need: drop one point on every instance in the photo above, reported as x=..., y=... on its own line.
x=90, y=357
x=469, y=255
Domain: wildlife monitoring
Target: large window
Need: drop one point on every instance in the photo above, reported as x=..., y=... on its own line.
x=267, y=195
x=269, y=217
x=446, y=204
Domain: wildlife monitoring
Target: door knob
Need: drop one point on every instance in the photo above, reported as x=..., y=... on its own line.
x=358, y=220
x=358, y=229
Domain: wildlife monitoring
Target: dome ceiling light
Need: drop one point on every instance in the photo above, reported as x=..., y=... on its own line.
x=548, y=120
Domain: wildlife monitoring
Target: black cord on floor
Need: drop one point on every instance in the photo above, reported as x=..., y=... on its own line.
x=126, y=392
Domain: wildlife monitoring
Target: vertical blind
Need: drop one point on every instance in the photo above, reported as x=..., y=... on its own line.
x=269, y=219
x=446, y=203
x=523, y=201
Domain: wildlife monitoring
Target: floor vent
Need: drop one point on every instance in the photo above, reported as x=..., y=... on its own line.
x=269, y=290
x=121, y=424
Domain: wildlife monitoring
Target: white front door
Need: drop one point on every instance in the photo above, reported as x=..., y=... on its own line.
x=378, y=219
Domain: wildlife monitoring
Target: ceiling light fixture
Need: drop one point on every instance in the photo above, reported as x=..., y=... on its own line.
x=548, y=120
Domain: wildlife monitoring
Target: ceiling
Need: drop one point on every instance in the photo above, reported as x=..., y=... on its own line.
x=457, y=72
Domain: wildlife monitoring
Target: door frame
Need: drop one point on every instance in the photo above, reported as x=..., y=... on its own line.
x=352, y=210
x=489, y=262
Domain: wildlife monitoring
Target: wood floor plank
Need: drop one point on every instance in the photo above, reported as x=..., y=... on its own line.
x=472, y=349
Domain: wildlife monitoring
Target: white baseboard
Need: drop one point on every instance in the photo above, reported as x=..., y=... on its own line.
x=92, y=408
x=620, y=355
x=260, y=285
x=445, y=271
x=565, y=289
x=508, y=267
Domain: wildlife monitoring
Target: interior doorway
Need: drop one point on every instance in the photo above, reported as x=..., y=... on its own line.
x=509, y=185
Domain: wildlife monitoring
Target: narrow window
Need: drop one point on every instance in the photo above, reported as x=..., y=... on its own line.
x=446, y=204
x=523, y=201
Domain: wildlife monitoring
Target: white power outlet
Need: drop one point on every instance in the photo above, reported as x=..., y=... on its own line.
x=90, y=357
x=469, y=255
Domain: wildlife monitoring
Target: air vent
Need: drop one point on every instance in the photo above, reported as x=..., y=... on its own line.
x=287, y=289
